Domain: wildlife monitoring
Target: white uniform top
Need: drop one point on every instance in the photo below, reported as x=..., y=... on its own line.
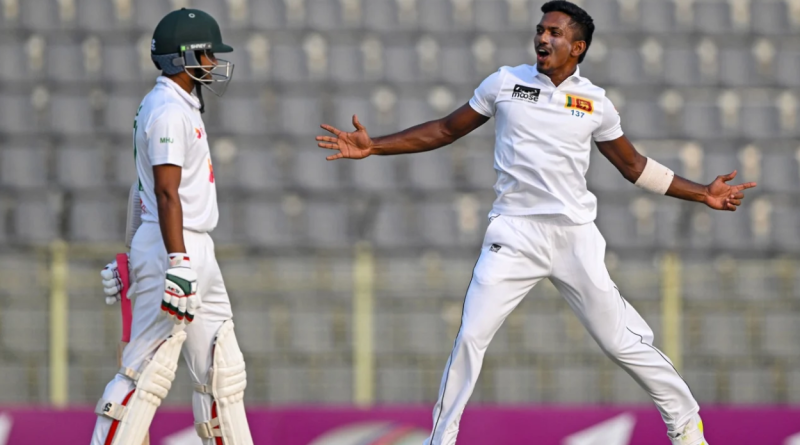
x=543, y=137
x=169, y=130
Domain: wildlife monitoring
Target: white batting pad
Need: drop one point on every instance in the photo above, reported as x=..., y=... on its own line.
x=134, y=219
x=228, y=381
x=133, y=416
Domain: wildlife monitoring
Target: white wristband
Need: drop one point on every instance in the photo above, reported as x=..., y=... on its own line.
x=655, y=178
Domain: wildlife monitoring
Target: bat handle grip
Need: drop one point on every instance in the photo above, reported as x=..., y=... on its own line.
x=125, y=302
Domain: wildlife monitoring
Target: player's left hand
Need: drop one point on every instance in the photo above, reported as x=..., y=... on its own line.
x=112, y=283
x=721, y=196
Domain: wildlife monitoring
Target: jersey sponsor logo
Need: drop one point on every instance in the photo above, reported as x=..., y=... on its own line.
x=167, y=140
x=579, y=103
x=528, y=94
x=199, y=132
x=210, y=171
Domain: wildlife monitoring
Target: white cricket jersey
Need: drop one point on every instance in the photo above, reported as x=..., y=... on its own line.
x=169, y=130
x=543, y=136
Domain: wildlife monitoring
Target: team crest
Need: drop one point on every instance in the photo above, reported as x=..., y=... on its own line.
x=199, y=133
x=579, y=103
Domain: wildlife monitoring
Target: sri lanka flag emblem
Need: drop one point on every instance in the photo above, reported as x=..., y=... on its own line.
x=579, y=103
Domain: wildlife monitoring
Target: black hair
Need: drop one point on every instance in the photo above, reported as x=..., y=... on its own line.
x=581, y=21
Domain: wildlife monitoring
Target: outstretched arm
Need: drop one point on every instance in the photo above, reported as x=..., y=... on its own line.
x=717, y=195
x=423, y=137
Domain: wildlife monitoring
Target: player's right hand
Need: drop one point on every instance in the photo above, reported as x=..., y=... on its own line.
x=355, y=145
x=180, y=292
x=112, y=283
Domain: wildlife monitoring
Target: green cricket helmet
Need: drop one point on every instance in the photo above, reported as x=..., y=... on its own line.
x=178, y=42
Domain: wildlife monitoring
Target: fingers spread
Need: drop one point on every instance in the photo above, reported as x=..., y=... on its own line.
x=327, y=139
x=328, y=146
x=746, y=185
x=331, y=129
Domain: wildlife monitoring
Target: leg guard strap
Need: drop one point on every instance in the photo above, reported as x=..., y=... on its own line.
x=110, y=409
x=133, y=416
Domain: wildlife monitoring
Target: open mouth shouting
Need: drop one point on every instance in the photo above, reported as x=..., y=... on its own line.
x=542, y=54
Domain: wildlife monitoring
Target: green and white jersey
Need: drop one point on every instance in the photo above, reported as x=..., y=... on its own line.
x=169, y=130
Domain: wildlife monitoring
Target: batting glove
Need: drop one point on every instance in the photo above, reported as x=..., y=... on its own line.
x=180, y=294
x=112, y=283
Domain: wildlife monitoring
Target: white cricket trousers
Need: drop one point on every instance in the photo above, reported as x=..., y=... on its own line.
x=517, y=253
x=149, y=326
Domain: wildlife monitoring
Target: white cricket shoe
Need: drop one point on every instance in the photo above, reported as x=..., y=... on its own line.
x=691, y=434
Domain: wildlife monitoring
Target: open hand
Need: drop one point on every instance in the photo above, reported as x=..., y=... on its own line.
x=355, y=145
x=721, y=196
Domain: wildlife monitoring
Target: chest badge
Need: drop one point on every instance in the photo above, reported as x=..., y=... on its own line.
x=199, y=132
x=579, y=103
x=527, y=94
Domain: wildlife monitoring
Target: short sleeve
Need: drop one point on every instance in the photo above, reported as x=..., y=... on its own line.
x=486, y=93
x=167, y=138
x=610, y=128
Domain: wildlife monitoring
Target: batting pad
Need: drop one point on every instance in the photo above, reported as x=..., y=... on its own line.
x=132, y=418
x=134, y=219
x=228, y=424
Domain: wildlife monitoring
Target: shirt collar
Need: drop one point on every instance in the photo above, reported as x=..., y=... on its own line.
x=191, y=99
x=575, y=77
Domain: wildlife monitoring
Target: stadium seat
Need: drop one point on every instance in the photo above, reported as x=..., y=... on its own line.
x=267, y=15
x=311, y=331
x=266, y=224
x=724, y=335
x=24, y=166
x=71, y=115
x=336, y=384
x=258, y=168
x=88, y=333
x=80, y=165
x=712, y=17
x=437, y=223
x=760, y=120
x=426, y=333
x=703, y=381
x=575, y=384
x=310, y=170
x=324, y=15
x=657, y=16
x=100, y=15
x=750, y=386
x=257, y=331
x=96, y=217
x=787, y=65
x=432, y=171
x=16, y=384
x=544, y=333
x=517, y=385
x=36, y=217
x=40, y=15
x=23, y=120
x=624, y=390
x=300, y=115
x=148, y=14
x=245, y=116
x=779, y=333
x=24, y=331
x=400, y=384
x=374, y=175
x=328, y=225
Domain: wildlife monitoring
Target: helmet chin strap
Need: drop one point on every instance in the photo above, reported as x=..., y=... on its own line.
x=198, y=88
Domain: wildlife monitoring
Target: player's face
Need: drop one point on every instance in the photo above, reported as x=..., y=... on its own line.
x=553, y=42
x=207, y=59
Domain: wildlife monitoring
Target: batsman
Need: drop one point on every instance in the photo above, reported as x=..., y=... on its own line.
x=180, y=300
